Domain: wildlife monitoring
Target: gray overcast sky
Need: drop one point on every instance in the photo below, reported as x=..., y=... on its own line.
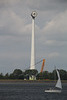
x=50, y=34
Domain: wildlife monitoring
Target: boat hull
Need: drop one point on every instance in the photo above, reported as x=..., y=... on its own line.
x=53, y=91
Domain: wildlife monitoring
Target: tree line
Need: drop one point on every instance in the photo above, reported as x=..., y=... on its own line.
x=45, y=75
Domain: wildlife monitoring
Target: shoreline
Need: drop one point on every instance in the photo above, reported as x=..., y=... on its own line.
x=29, y=81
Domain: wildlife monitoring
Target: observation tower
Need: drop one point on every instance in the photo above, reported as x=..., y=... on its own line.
x=32, y=65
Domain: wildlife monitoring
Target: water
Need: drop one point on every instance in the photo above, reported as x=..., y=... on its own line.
x=30, y=91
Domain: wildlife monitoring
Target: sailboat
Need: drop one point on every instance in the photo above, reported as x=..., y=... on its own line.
x=58, y=86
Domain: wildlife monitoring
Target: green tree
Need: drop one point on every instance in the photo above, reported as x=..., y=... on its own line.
x=31, y=72
x=63, y=74
x=6, y=76
x=17, y=74
x=1, y=76
x=43, y=75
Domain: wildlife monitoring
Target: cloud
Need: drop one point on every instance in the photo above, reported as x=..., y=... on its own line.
x=49, y=5
x=3, y=2
x=56, y=29
x=11, y=22
x=53, y=38
x=16, y=28
x=53, y=55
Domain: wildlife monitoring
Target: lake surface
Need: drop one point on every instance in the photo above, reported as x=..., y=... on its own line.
x=30, y=91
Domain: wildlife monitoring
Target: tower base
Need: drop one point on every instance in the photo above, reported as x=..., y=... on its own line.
x=32, y=77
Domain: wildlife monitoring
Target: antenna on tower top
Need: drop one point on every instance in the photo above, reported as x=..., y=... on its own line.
x=34, y=14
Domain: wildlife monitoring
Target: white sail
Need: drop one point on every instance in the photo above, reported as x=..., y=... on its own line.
x=58, y=84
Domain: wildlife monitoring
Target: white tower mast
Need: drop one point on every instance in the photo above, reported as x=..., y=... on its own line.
x=32, y=65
